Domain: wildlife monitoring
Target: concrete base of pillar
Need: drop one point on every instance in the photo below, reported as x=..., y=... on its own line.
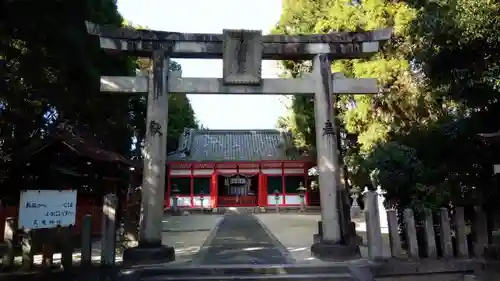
x=351, y=237
x=316, y=238
x=329, y=251
x=148, y=254
x=492, y=252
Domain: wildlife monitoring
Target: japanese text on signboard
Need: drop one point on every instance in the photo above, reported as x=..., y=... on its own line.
x=47, y=208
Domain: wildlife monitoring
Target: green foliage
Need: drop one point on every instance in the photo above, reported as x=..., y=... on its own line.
x=52, y=68
x=52, y=65
x=439, y=80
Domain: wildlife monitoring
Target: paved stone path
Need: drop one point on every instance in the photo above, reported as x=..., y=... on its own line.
x=295, y=232
x=187, y=234
x=241, y=239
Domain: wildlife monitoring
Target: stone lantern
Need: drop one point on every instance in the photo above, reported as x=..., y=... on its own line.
x=202, y=198
x=302, y=192
x=355, y=208
x=277, y=199
x=175, y=199
x=314, y=185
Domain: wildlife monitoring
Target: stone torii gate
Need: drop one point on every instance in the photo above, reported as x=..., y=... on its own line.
x=242, y=52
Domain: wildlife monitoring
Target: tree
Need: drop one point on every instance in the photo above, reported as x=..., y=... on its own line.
x=369, y=118
x=51, y=63
x=456, y=47
x=52, y=76
x=429, y=93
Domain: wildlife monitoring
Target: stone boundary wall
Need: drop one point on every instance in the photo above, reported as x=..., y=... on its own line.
x=441, y=245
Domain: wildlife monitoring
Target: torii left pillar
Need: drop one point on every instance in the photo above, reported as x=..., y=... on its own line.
x=332, y=245
x=153, y=184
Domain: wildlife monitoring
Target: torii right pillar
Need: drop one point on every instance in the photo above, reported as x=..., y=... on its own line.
x=332, y=245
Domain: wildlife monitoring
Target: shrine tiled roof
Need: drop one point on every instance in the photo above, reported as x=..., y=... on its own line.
x=233, y=145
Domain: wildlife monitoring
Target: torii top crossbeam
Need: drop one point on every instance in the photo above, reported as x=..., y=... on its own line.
x=211, y=46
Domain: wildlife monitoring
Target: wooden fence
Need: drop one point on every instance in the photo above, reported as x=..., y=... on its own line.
x=82, y=209
x=20, y=246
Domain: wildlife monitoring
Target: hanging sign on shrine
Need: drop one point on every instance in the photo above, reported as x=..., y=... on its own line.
x=238, y=185
x=235, y=180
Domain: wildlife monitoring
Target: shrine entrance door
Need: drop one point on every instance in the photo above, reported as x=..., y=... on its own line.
x=237, y=190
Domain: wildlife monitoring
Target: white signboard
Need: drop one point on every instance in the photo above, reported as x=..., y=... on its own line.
x=47, y=208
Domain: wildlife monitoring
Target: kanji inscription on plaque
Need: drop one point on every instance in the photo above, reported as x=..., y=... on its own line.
x=242, y=56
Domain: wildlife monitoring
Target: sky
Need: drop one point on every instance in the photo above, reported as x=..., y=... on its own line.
x=212, y=16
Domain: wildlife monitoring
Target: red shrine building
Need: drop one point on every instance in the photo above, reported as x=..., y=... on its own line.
x=235, y=168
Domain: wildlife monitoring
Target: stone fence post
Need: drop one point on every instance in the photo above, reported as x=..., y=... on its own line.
x=8, y=238
x=411, y=234
x=373, y=231
x=86, y=254
x=108, y=236
x=460, y=233
x=394, y=238
x=480, y=226
x=445, y=233
x=430, y=235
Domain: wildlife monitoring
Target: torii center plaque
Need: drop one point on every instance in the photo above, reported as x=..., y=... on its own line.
x=242, y=57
